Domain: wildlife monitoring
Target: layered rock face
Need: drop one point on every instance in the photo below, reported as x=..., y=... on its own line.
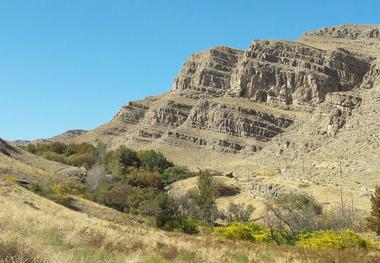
x=353, y=32
x=222, y=125
x=292, y=73
x=275, y=72
x=276, y=100
x=207, y=73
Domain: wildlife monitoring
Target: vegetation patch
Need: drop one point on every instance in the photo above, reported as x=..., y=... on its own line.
x=340, y=239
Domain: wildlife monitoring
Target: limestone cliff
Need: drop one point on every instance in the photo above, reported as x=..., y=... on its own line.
x=275, y=101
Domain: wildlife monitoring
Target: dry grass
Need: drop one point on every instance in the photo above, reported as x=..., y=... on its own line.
x=47, y=232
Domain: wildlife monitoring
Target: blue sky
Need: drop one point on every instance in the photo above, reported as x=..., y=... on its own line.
x=67, y=64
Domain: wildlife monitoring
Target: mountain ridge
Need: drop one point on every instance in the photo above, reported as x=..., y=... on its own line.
x=268, y=108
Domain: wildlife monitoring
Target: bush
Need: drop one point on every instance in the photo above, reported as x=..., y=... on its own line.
x=188, y=205
x=167, y=217
x=151, y=160
x=58, y=188
x=85, y=160
x=126, y=156
x=341, y=239
x=53, y=156
x=173, y=174
x=121, y=197
x=239, y=212
x=244, y=231
x=187, y=226
x=222, y=189
x=145, y=179
x=60, y=199
x=80, y=155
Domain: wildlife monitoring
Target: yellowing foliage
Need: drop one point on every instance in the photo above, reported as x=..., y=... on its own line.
x=244, y=231
x=334, y=239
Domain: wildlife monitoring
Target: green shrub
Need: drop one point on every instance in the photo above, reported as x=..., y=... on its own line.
x=80, y=155
x=126, y=156
x=151, y=160
x=173, y=174
x=341, y=239
x=187, y=226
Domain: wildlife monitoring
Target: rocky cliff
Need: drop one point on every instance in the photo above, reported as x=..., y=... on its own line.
x=275, y=101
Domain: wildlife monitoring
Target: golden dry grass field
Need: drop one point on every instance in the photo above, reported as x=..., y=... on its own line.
x=34, y=229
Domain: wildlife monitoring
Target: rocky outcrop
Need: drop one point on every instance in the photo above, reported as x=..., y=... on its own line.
x=352, y=32
x=237, y=121
x=207, y=73
x=275, y=72
x=337, y=108
x=131, y=113
x=171, y=114
x=292, y=73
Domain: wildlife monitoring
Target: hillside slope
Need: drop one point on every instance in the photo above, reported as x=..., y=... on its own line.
x=34, y=229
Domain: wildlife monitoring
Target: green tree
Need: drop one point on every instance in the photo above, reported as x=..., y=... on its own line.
x=206, y=196
x=151, y=160
x=292, y=214
x=127, y=156
x=100, y=152
x=373, y=221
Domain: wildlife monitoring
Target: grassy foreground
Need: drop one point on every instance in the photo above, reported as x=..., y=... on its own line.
x=34, y=229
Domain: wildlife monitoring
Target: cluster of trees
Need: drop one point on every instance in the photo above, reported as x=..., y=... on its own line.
x=127, y=180
x=298, y=219
x=136, y=181
x=80, y=155
x=142, y=192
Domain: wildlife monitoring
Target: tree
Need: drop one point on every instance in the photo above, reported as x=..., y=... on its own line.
x=290, y=214
x=100, y=152
x=373, y=221
x=95, y=175
x=239, y=212
x=151, y=160
x=127, y=156
x=206, y=196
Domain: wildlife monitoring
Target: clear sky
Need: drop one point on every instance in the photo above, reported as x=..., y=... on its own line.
x=67, y=64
